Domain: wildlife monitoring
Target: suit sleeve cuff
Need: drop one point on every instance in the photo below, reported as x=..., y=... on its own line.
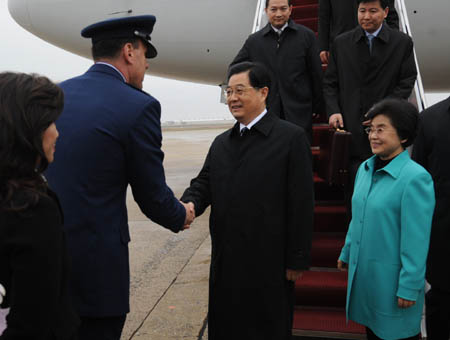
x=298, y=261
x=407, y=293
x=344, y=257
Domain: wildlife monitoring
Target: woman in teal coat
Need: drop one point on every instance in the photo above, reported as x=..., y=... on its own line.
x=386, y=246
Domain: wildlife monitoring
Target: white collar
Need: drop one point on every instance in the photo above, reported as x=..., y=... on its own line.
x=376, y=32
x=112, y=66
x=253, y=122
x=280, y=30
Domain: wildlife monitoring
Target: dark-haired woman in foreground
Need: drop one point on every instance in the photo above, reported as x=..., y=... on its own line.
x=387, y=241
x=33, y=260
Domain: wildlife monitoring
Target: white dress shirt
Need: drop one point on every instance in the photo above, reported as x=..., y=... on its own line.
x=253, y=122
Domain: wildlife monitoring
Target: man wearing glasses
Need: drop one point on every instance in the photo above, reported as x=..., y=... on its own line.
x=289, y=51
x=257, y=178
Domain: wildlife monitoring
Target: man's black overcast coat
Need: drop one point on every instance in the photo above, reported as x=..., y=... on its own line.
x=355, y=79
x=260, y=189
x=432, y=151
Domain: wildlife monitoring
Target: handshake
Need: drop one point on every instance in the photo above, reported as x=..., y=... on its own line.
x=190, y=214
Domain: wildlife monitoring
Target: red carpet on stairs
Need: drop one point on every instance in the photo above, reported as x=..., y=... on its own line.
x=305, y=12
x=320, y=288
x=300, y=3
x=320, y=320
x=326, y=248
x=321, y=292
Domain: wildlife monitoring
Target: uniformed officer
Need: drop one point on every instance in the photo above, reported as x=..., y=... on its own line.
x=110, y=136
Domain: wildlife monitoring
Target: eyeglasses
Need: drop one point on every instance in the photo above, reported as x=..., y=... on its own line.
x=238, y=90
x=379, y=130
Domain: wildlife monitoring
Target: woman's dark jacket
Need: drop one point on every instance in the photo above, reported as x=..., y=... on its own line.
x=33, y=270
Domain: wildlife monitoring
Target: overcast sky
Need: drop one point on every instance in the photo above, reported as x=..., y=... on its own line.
x=21, y=51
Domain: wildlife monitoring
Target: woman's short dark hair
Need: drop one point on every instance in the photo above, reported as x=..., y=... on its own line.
x=258, y=75
x=29, y=104
x=403, y=116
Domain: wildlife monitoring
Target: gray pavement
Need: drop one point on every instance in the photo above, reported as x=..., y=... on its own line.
x=169, y=272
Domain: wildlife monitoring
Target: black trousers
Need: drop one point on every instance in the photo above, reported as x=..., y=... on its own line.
x=371, y=336
x=437, y=314
x=109, y=328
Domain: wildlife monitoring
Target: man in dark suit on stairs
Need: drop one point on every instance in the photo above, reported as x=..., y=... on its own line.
x=367, y=64
x=258, y=180
x=110, y=137
x=339, y=16
x=289, y=51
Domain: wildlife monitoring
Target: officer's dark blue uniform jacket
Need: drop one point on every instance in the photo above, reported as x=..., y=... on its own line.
x=110, y=136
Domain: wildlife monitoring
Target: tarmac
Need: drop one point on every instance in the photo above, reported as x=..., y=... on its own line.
x=169, y=272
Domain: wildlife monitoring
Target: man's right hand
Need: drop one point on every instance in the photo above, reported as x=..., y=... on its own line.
x=2, y=293
x=190, y=214
x=324, y=57
x=336, y=121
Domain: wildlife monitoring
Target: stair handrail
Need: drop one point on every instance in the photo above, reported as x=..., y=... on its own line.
x=260, y=17
x=406, y=28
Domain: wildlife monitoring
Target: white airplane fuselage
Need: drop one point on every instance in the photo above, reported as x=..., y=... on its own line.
x=197, y=39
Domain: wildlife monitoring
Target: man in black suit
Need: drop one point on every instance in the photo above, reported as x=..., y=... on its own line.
x=289, y=51
x=257, y=178
x=367, y=64
x=339, y=16
x=431, y=150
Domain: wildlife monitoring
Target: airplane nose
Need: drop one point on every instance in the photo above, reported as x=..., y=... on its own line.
x=19, y=11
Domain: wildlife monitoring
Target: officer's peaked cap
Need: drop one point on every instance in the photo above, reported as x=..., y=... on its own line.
x=128, y=27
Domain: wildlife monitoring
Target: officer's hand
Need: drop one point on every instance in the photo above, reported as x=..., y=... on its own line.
x=342, y=266
x=402, y=303
x=2, y=293
x=336, y=121
x=324, y=57
x=293, y=274
x=190, y=214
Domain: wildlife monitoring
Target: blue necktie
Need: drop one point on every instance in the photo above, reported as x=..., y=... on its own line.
x=370, y=39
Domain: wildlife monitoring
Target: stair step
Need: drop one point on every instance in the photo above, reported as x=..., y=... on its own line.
x=315, y=151
x=305, y=11
x=321, y=288
x=326, y=248
x=320, y=134
x=326, y=323
x=321, y=118
x=318, y=179
x=311, y=23
x=296, y=3
x=325, y=194
x=330, y=218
